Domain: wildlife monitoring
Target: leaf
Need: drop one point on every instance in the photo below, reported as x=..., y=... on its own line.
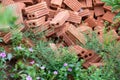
x=117, y=16
x=9, y=56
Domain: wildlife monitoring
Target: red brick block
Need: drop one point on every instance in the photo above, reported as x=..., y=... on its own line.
x=35, y=22
x=99, y=11
x=60, y=18
x=84, y=13
x=38, y=14
x=36, y=7
x=73, y=4
x=83, y=2
x=108, y=16
x=41, y=28
x=74, y=17
x=91, y=22
x=89, y=3
x=56, y=3
x=98, y=3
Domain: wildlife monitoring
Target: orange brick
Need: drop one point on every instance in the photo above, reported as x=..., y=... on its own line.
x=38, y=14
x=108, y=16
x=77, y=36
x=89, y=3
x=41, y=28
x=91, y=22
x=99, y=11
x=73, y=4
x=37, y=7
x=56, y=3
x=60, y=18
x=100, y=22
x=35, y=22
x=84, y=13
x=83, y=2
x=74, y=17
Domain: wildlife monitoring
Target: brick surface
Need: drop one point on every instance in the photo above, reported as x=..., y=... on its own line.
x=98, y=11
x=91, y=22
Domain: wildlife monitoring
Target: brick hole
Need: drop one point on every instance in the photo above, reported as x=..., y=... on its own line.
x=85, y=56
x=98, y=33
x=34, y=24
x=30, y=16
x=79, y=55
x=57, y=24
x=33, y=15
x=52, y=25
x=30, y=24
x=90, y=54
x=83, y=52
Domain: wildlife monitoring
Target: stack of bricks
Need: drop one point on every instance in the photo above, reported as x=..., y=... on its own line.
x=68, y=20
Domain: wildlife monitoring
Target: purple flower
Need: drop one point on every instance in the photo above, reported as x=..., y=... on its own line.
x=69, y=69
x=65, y=64
x=31, y=49
x=43, y=67
x=3, y=54
x=55, y=72
x=28, y=78
x=32, y=62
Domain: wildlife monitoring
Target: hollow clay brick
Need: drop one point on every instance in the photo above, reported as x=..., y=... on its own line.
x=91, y=22
x=67, y=40
x=83, y=2
x=107, y=8
x=98, y=3
x=99, y=11
x=74, y=17
x=38, y=14
x=56, y=3
x=60, y=18
x=41, y=28
x=77, y=36
x=37, y=7
x=73, y=4
x=84, y=13
x=89, y=3
x=36, y=22
x=108, y=16
x=49, y=32
x=8, y=36
x=100, y=22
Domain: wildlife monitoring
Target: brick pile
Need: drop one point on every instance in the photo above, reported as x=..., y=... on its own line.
x=68, y=20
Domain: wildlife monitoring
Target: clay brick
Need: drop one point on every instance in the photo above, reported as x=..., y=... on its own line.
x=107, y=8
x=28, y=42
x=108, y=16
x=35, y=22
x=56, y=3
x=91, y=22
x=60, y=18
x=99, y=11
x=38, y=14
x=100, y=22
x=83, y=2
x=25, y=1
x=84, y=13
x=49, y=32
x=37, y=7
x=73, y=4
x=52, y=13
x=76, y=36
x=96, y=58
x=74, y=17
x=92, y=13
x=8, y=36
x=98, y=3
x=99, y=64
x=17, y=9
x=7, y=2
x=41, y=28
x=47, y=1
x=67, y=40
x=89, y=3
